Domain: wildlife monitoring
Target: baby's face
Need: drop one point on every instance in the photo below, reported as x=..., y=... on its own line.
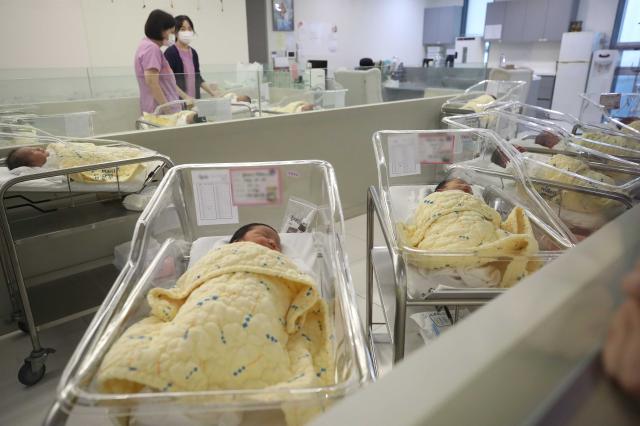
x=264, y=236
x=307, y=107
x=35, y=157
x=457, y=184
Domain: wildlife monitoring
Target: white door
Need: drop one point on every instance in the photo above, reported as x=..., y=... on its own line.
x=571, y=81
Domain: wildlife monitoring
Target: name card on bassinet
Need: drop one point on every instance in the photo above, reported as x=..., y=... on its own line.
x=212, y=196
x=407, y=151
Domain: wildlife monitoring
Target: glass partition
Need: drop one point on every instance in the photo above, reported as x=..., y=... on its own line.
x=229, y=92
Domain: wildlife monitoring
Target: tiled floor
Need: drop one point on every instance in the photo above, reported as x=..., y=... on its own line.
x=27, y=406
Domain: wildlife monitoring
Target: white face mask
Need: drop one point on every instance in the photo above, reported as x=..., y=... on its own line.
x=171, y=40
x=185, y=36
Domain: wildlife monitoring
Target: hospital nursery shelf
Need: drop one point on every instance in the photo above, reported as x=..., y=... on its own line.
x=71, y=296
x=64, y=221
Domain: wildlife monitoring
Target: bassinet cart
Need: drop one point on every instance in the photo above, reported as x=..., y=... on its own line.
x=410, y=164
x=611, y=110
x=501, y=90
x=569, y=125
x=46, y=217
x=71, y=124
x=195, y=206
x=584, y=212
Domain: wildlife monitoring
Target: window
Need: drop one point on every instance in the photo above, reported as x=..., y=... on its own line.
x=628, y=31
x=476, y=11
x=626, y=37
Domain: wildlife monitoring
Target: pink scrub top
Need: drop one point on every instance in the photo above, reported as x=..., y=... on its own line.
x=149, y=56
x=189, y=71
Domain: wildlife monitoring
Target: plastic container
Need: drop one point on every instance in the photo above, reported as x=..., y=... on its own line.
x=615, y=111
x=585, y=188
x=596, y=136
x=501, y=90
x=73, y=124
x=465, y=154
x=175, y=220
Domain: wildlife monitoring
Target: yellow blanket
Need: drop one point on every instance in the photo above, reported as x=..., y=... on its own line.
x=169, y=120
x=457, y=221
x=570, y=199
x=479, y=104
x=72, y=154
x=615, y=143
x=243, y=317
x=291, y=107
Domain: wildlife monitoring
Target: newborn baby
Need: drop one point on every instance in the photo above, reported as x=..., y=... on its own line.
x=547, y=139
x=237, y=98
x=30, y=157
x=258, y=233
x=453, y=185
x=480, y=103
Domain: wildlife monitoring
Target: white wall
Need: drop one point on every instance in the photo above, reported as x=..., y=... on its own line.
x=105, y=33
x=377, y=29
x=598, y=15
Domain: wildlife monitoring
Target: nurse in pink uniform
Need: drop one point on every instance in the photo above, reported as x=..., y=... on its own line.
x=184, y=60
x=155, y=78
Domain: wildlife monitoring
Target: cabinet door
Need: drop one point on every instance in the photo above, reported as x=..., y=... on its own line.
x=455, y=20
x=431, y=25
x=495, y=16
x=512, y=29
x=535, y=19
x=560, y=13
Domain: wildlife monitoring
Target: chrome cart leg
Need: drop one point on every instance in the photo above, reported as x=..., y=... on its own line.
x=33, y=368
x=56, y=415
x=369, y=295
x=401, y=309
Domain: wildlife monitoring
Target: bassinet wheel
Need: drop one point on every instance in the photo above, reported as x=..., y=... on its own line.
x=23, y=327
x=28, y=377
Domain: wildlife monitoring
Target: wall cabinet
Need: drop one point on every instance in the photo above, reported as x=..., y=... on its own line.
x=441, y=25
x=525, y=21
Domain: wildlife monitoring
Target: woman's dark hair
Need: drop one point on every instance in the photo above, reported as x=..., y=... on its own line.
x=366, y=62
x=180, y=19
x=158, y=22
x=242, y=231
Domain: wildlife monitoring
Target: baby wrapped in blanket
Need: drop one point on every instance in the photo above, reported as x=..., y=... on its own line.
x=573, y=200
x=456, y=221
x=293, y=107
x=243, y=317
x=61, y=155
x=480, y=103
x=177, y=119
x=616, y=144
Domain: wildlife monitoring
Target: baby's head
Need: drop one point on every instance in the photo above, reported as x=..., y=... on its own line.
x=27, y=157
x=500, y=158
x=307, y=107
x=243, y=98
x=547, y=139
x=258, y=233
x=454, y=184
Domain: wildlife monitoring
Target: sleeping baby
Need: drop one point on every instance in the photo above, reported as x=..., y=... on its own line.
x=243, y=316
x=451, y=219
x=480, y=103
x=63, y=155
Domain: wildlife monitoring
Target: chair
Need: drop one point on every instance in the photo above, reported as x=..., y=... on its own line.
x=363, y=87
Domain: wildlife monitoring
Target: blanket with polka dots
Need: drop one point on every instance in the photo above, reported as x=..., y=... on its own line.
x=456, y=229
x=243, y=317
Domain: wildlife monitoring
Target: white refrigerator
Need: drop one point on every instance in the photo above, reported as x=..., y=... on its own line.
x=572, y=74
